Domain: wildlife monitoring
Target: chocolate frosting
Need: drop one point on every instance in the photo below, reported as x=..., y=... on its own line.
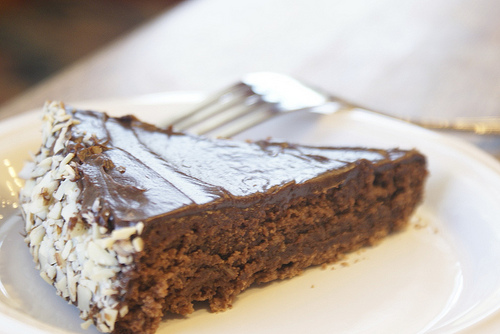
x=139, y=172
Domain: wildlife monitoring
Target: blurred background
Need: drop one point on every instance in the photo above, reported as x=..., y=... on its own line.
x=410, y=58
x=40, y=37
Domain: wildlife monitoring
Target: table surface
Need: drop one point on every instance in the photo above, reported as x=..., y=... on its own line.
x=407, y=58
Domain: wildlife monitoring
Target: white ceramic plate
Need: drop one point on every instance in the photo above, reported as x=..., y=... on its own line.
x=441, y=275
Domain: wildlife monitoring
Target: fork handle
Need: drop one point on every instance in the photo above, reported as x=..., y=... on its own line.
x=485, y=125
x=477, y=125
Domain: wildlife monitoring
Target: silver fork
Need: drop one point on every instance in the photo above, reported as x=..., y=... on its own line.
x=263, y=95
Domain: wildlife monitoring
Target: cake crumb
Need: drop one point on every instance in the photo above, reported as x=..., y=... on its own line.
x=86, y=324
x=418, y=223
x=419, y=226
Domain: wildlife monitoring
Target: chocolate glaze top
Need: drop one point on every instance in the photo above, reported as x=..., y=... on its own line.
x=140, y=172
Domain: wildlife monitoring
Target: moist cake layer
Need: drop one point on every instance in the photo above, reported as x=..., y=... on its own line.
x=128, y=221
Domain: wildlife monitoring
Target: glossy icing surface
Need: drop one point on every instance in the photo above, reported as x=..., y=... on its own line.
x=139, y=171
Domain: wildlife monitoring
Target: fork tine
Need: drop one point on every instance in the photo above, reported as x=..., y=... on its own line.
x=216, y=104
x=227, y=117
x=247, y=121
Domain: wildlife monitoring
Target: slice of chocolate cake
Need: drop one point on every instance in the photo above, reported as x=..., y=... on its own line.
x=129, y=222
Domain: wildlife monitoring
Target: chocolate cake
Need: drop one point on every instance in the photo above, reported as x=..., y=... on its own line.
x=130, y=222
